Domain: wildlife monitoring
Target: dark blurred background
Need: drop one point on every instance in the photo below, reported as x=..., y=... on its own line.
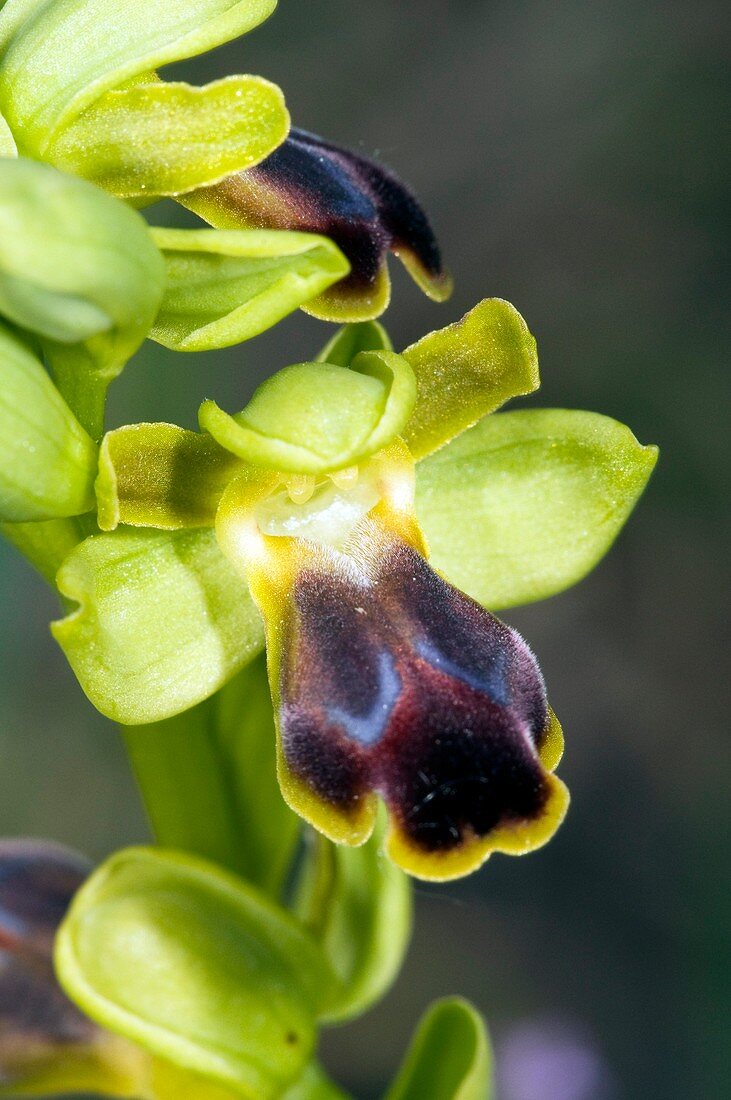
x=570, y=155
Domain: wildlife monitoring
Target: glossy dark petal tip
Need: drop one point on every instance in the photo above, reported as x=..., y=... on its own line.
x=311, y=185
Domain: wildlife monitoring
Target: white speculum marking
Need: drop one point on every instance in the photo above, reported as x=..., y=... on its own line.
x=324, y=512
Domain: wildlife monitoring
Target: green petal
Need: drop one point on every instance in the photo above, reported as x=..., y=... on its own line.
x=349, y=340
x=449, y=1057
x=467, y=370
x=358, y=905
x=316, y=417
x=163, y=622
x=159, y=475
x=224, y=287
x=47, y=461
x=8, y=148
x=163, y=139
x=78, y=268
x=196, y=967
x=526, y=503
x=61, y=56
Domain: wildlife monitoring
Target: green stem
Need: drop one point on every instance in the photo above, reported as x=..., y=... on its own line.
x=45, y=544
x=84, y=391
x=209, y=785
x=185, y=788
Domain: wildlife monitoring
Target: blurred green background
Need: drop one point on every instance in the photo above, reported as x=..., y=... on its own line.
x=570, y=155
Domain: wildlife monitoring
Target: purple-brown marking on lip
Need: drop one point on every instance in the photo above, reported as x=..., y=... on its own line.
x=315, y=186
x=37, y=883
x=395, y=681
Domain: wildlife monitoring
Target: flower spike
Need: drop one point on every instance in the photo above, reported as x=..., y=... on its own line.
x=388, y=681
x=314, y=185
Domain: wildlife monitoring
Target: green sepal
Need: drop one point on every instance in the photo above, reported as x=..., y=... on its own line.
x=160, y=475
x=196, y=967
x=349, y=340
x=467, y=370
x=357, y=903
x=47, y=460
x=80, y=270
x=54, y=67
x=224, y=287
x=449, y=1057
x=163, y=621
x=166, y=138
x=317, y=417
x=526, y=503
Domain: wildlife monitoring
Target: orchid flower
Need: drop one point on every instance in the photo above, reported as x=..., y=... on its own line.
x=368, y=509
x=79, y=90
x=314, y=185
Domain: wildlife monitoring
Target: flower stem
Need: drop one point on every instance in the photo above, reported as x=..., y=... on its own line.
x=185, y=789
x=45, y=544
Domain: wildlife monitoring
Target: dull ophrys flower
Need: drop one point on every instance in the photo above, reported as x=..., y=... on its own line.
x=325, y=493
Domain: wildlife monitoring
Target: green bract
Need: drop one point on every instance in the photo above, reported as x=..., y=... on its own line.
x=77, y=88
x=80, y=270
x=163, y=621
x=47, y=461
x=317, y=417
x=225, y=287
x=546, y=491
x=449, y=1058
x=195, y=967
x=358, y=905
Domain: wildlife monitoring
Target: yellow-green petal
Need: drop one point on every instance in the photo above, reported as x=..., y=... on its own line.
x=467, y=370
x=60, y=56
x=526, y=503
x=196, y=967
x=317, y=417
x=164, y=138
x=163, y=621
x=160, y=475
x=47, y=461
x=227, y=286
x=449, y=1057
